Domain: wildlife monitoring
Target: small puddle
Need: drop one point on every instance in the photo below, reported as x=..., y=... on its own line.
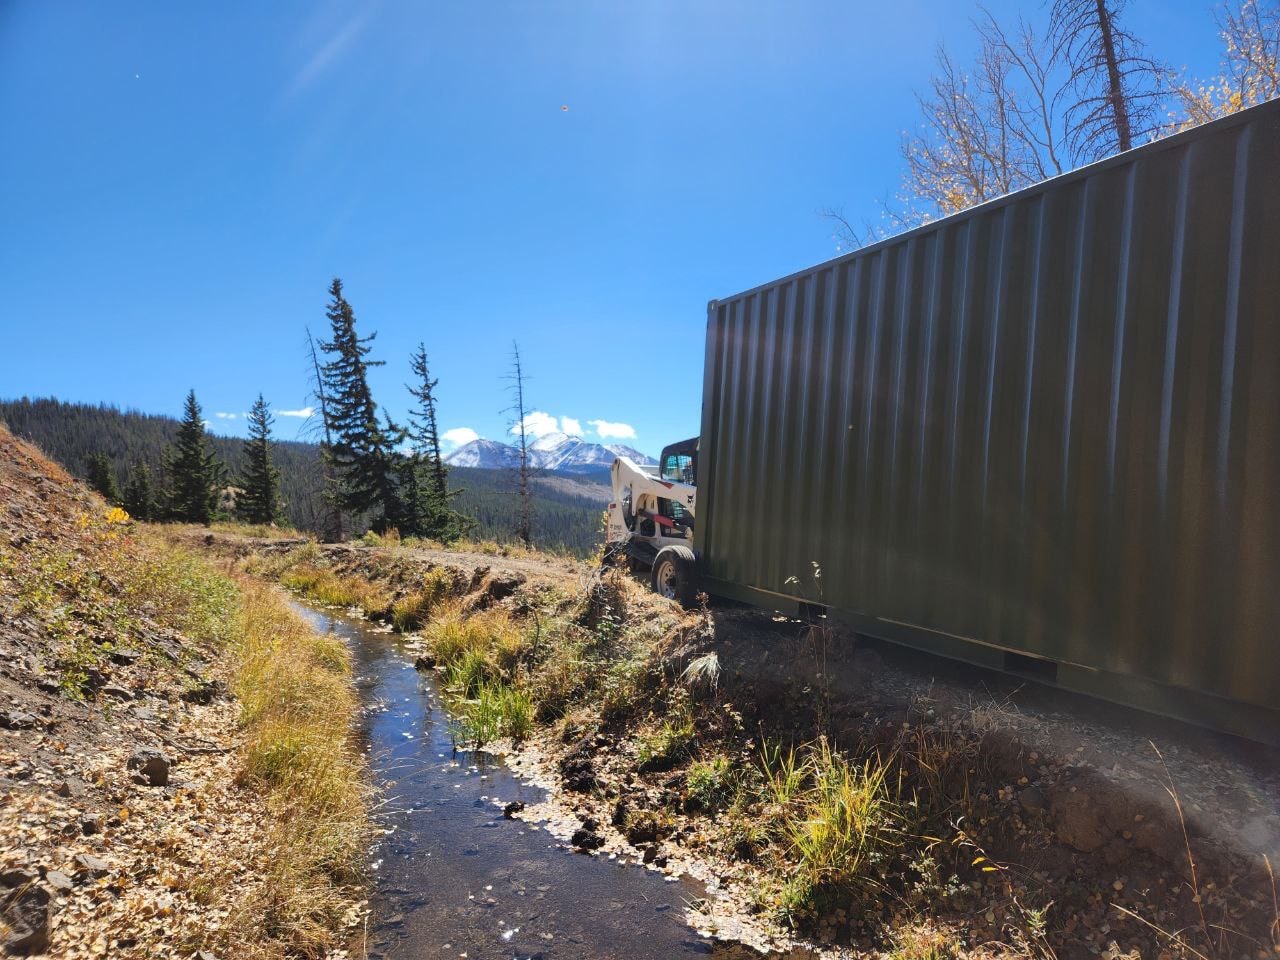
x=453, y=878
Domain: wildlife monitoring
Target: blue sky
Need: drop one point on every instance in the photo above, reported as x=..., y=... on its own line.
x=180, y=183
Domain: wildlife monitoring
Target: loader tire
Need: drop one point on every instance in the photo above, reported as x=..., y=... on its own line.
x=675, y=575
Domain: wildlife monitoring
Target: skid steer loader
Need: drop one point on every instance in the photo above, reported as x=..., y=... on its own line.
x=651, y=518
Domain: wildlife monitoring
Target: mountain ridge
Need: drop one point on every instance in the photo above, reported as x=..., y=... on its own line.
x=551, y=451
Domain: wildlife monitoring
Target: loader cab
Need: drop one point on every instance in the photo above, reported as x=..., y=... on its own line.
x=679, y=462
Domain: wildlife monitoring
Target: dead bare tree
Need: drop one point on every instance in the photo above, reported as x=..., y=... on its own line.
x=1118, y=91
x=1034, y=97
x=519, y=427
x=987, y=132
x=1250, y=31
x=1034, y=104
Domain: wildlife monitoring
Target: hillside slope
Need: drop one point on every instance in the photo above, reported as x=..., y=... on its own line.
x=132, y=822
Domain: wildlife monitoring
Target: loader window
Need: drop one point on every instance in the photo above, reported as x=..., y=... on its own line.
x=675, y=511
x=678, y=468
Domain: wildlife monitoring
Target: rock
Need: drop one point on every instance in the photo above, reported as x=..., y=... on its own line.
x=18, y=720
x=91, y=867
x=25, y=919
x=577, y=771
x=424, y=663
x=1089, y=811
x=1031, y=800
x=58, y=881
x=642, y=830
x=584, y=839
x=619, y=817
x=1078, y=821
x=18, y=876
x=116, y=691
x=152, y=766
x=204, y=691
x=512, y=808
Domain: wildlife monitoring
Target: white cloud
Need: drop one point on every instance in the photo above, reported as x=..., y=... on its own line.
x=459, y=437
x=610, y=430
x=304, y=413
x=571, y=426
x=225, y=416
x=538, y=423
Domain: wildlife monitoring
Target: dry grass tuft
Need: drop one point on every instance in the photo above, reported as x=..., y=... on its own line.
x=331, y=590
x=412, y=610
x=482, y=656
x=297, y=708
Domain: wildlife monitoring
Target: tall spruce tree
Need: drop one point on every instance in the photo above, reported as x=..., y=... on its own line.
x=331, y=517
x=259, y=500
x=139, y=494
x=102, y=477
x=428, y=496
x=194, y=469
x=362, y=453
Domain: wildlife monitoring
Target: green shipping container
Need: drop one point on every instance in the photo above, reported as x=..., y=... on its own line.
x=1042, y=434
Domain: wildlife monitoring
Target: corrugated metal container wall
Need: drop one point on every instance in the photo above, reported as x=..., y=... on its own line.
x=1049, y=424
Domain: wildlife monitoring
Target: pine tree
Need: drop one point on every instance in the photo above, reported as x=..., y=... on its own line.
x=194, y=469
x=427, y=494
x=139, y=496
x=102, y=478
x=259, y=501
x=362, y=453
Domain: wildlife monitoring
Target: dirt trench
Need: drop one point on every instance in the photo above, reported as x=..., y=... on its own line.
x=1105, y=812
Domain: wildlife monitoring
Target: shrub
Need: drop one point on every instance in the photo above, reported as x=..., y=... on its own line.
x=839, y=824
x=710, y=784
x=496, y=711
x=667, y=746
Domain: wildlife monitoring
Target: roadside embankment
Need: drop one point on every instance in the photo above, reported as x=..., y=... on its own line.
x=851, y=793
x=177, y=767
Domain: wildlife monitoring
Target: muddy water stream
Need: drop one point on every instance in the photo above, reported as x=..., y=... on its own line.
x=453, y=878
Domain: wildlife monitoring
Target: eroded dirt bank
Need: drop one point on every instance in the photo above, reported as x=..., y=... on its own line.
x=133, y=820
x=1017, y=821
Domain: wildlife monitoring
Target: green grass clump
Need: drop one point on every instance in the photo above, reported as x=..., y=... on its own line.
x=497, y=710
x=837, y=821
x=710, y=785
x=671, y=743
x=481, y=657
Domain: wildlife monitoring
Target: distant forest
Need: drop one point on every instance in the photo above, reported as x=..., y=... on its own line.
x=566, y=509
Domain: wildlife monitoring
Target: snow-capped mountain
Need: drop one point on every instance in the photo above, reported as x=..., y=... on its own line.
x=551, y=451
x=489, y=454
